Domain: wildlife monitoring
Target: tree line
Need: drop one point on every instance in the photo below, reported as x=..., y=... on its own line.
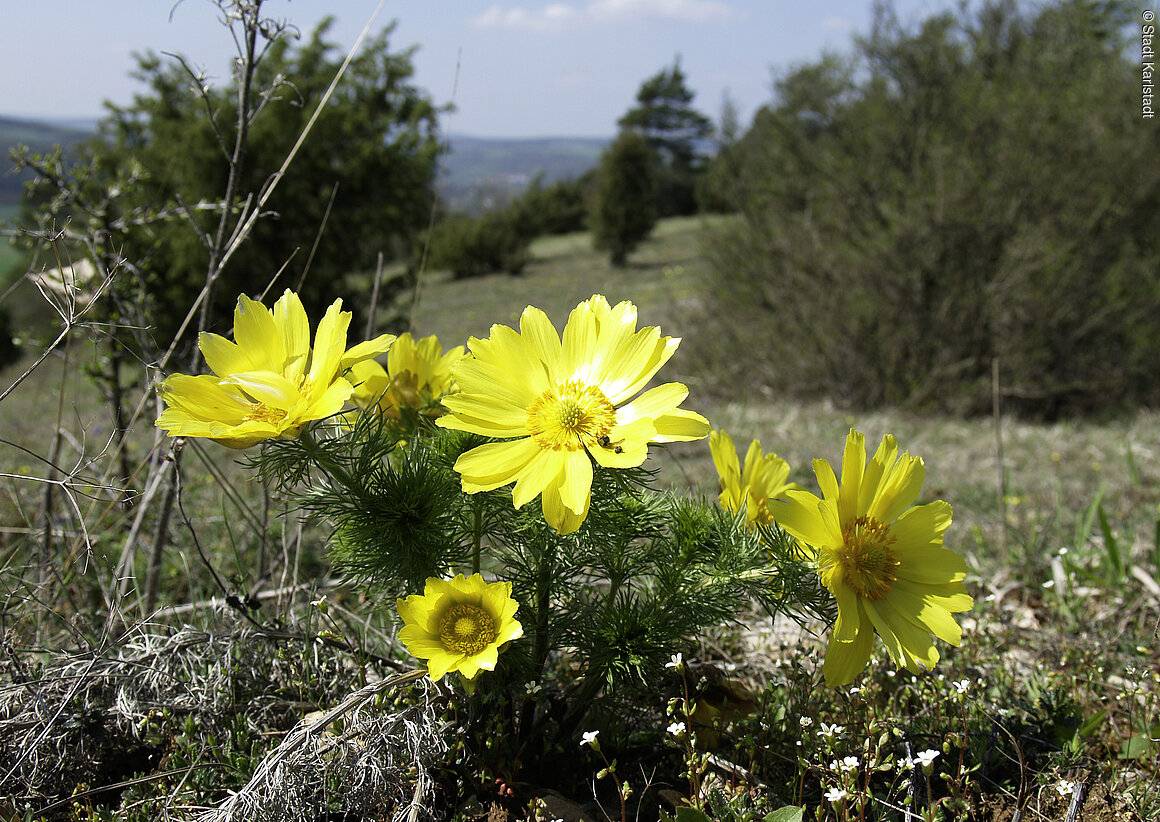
x=965, y=196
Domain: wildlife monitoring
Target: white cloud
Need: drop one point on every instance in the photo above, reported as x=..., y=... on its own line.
x=836, y=23
x=553, y=17
x=558, y=16
x=687, y=11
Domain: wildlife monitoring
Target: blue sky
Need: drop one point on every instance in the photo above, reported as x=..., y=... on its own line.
x=513, y=68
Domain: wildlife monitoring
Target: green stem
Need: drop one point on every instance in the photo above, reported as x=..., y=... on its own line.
x=476, y=533
x=529, y=724
x=543, y=600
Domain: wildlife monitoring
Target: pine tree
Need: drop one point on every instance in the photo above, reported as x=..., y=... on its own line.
x=665, y=117
x=624, y=206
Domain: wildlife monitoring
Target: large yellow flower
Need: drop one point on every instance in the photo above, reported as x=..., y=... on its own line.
x=561, y=400
x=765, y=478
x=416, y=376
x=459, y=624
x=270, y=382
x=881, y=557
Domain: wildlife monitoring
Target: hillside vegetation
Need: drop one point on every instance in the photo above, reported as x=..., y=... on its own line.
x=921, y=208
x=39, y=138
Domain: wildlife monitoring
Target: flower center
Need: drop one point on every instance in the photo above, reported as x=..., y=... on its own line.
x=466, y=629
x=868, y=563
x=264, y=413
x=761, y=512
x=570, y=416
x=404, y=392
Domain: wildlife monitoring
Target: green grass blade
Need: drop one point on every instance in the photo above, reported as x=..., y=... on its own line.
x=1115, y=559
x=1083, y=528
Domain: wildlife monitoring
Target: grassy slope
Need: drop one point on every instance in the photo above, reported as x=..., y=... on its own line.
x=660, y=279
x=1053, y=472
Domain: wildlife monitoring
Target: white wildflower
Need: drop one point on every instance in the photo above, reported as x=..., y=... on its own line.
x=836, y=795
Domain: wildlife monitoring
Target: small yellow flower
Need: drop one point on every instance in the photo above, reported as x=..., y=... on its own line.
x=459, y=624
x=881, y=557
x=765, y=478
x=561, y=399
x=416, y=377
x=270, y=382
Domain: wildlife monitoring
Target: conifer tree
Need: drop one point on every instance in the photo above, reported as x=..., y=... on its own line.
x=665, y=117
x=624, y=206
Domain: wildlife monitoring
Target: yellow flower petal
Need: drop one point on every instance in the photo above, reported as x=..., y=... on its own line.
x=559, y=393
x=495, y=464
x=540, y=338
x=266, y=387
x=827, y=481
x=850, y=613
x=800, y=518
x=484, y=415
x=881, y=558
x=256, y=331
x=224, y=357
x=853, y=466
x=265, y=391
x=845, y=660
x=906, y=642
x=899, y=489
x=544, y=467
x=576, y=484
x=459, y=624
x=653, y=403
x=366, y=350
x=329, y=344
x=563, y=519
x=922, y=526
x=727, y=465
x=294, y=328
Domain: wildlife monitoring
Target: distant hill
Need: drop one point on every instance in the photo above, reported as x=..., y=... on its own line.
x=483, y=172
x=477, y=172
x=38, y=136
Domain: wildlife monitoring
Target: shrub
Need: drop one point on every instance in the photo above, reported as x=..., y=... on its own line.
x=914, y=213
x=559, y=208
x=475, y=246
x=624, y=207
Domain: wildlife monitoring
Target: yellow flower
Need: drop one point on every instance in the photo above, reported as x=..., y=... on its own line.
x=881, y=557
x=562, y=401
x=764, y=478
x=459, y=624
x=416, y=376
x=270, y=382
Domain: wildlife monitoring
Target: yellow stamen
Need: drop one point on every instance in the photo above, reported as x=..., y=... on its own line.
x=570, y=416
x=466, y=629
x=264, y=413
x=761, y=515
x=868, y=562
